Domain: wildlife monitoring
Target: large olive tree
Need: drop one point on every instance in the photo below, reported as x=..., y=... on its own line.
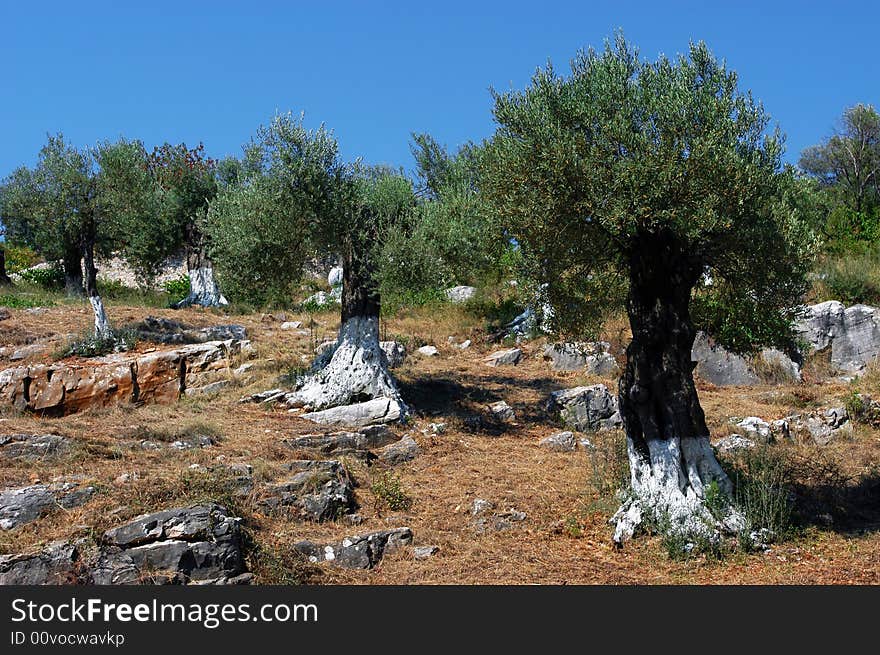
x=651, y=175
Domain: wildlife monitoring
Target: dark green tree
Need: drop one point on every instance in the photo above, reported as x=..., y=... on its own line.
x=650, y=175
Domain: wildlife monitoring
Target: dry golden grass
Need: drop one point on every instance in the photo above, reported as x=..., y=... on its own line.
x=565, y=538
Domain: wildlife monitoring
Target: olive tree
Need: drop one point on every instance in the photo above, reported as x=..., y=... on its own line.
x=57, y=200
x=654, y=176
x=41, y=207
x=295, y=195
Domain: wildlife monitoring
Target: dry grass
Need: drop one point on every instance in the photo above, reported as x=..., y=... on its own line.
x=565, y=538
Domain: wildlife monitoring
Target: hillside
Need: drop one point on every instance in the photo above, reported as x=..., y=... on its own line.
x=548, y=511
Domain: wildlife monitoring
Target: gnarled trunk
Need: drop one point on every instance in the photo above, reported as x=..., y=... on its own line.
x=356, y=369
x=203, y=287
x=102, y=325
x=672, y=463
x=73, y=274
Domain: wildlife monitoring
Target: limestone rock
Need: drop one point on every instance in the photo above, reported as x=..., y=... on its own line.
x=196, y=543
x=322, y=492
x=401, y=451
x=733, y=443
x=561, y=442
x=55, y=564
x=460, y=294
x=852, y=332
x=360, y=552
x=510, y=357
x=343, y=443
x=428, y=351
x=370, y=412
x=501, y=411
x=25, y=504
x=394, y=352
x=585, y=409
x=32, y=446
x=594, y=358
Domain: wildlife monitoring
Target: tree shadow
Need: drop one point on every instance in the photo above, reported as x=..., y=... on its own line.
x=464, y=398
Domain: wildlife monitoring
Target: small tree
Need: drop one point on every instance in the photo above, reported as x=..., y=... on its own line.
x=653, y=174
x=296, y=196
x=187, y=183
x=849, y=160
x=450, y=238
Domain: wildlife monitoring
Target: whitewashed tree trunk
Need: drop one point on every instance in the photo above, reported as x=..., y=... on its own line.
x=668, y=489
x=102, y=325
x=355, y=370
x=203, y=289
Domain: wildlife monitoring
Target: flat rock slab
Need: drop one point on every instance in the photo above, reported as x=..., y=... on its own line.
x=343, y=443
x=32, y=446
x=509, y=357
x=57, y=563
x=371, y=412
x=163, y=330
x=201, y=543
x=26, y=504
x=360, y=552
x=158, y=377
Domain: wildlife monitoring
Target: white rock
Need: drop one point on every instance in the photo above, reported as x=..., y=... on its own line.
x=460, y=294
x=291, y=325
x=509, y=357
x=428, y=351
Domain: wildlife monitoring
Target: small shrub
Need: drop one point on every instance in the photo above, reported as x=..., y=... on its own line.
x=388, y=491
x=19, y=258
x=92, y=345
x=177, y=289
x=763, y=491
x=609, y=465
x=51, y=278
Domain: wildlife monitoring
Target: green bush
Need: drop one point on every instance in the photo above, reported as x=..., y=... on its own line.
x=388, y=491
x=19, y=301
x=92, y=345
x=851, y=278
x=51, y=278
x=177, y=289
x=19, y=258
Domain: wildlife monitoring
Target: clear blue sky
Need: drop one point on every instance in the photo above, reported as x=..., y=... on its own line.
x=375, y=71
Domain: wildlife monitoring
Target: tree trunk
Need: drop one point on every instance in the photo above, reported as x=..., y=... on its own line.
x=5, y=281
x=672, y=463
x=73, y=274
x=102, y=325
x=203, y=288
x=356, y=368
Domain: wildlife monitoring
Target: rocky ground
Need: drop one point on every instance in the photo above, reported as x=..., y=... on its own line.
x=504, y=474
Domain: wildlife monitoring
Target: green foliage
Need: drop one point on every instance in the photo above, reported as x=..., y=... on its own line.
x=21, y=301
x=850, y=278
x=589, y=170
x=92, y=345
x=848, y=162
x=50, y=279
x=389, y=492
x=19, y=257
x=762, y=492
x=176, y=289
